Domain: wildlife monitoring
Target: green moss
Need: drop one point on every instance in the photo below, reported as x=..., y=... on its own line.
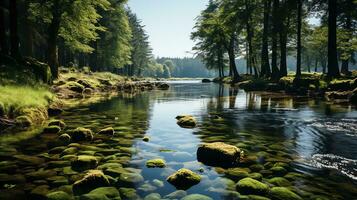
x=251, y=186
x=184, y=179
x=186, y=121
x=23, y=121
x=84, y=162
x=159, y=163
x=81, y=134
x=93, y=179
x=196, y=197
x=59, y=195
x=279, y=181
x=59, y=123
x=107, y=131
x=74, y=86
x=282, y=193
x=52, y=129
x=278, y=171
x=237, y=173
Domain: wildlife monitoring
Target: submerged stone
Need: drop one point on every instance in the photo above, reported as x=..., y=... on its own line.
x=102, y=193
x=81, y=134
x=178, y=194
x=251, y=186
x=283, y=193
x=159, y=163
x=153, y=196
x=59, y=195
x=186, y=121
x=107, y=131
x=84, y=162
x=129, y=178
x=93, y=179
x=218, y=154
x=184, y=179
x=196, y=197
x=128, y=193
x=52, y=129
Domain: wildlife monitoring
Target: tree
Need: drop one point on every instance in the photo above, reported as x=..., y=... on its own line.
x=274, y=64
x=76, y=22
x=170, y=65
x=3, y=45
x=166, y=72
x=14, y=40
x=332, y=65
x=298, y=47
x=265, y=66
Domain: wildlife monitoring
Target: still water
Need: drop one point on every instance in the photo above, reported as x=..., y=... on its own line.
x=315, y=142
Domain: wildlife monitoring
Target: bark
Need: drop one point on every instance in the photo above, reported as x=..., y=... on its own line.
x=52, y=54
x=3, y=45
x=274, y=64
x=332, y=65
x=316, y=62
x=265, y=66
x=347, y=27
x=283, y=38
x=298, y=47
x=14, y=40
x=232, y=60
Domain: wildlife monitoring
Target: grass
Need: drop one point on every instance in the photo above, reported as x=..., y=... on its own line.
x=16, y=98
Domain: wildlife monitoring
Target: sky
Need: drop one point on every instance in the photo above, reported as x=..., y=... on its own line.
x=169, y=24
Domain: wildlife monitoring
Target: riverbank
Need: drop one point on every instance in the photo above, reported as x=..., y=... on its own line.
x=28, y=102
x=343, y=89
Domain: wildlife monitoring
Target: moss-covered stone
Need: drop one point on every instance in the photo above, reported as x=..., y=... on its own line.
x=196, y=197
x=184, y=179
x=218, y=154
x=283, y=193
x=128, y=193
x=278, y=171
x=186, y=121
x=102, y=193
x=81, y=134
x=153, y=196
x=146, y=139
x=156, y=163
x=279, y=181
x=64, y=138
x=107, y=131
x=84, y=162
x=251, y=186
x=52, y=129
x=59, y=195
x=129, y=178
x=74, y=86
x=23, y=121
x=256, y=176
x=59, y=123
x=237, y=173
x=93, y=179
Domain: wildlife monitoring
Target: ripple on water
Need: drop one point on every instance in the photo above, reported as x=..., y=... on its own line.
x=346, y=166
x=347, y=126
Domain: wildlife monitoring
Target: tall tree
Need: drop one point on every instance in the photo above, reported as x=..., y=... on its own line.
x=265, y=66
x=298, y=46
x=3, y=45
x=275, y=18
x=332, y=65
x=14, y=39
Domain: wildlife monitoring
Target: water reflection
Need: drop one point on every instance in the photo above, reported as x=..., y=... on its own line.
x=272, y=129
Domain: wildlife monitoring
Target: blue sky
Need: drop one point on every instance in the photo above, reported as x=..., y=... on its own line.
x=169, y=24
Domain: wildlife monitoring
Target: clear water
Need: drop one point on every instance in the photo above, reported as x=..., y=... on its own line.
x=316, y=139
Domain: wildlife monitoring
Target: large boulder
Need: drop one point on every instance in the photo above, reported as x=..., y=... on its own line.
x=218, y=154
x=186, y=121
x=183, y=179
x=92, y=180
x=251, y=186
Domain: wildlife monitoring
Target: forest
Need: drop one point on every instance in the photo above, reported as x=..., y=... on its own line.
x=178, y=99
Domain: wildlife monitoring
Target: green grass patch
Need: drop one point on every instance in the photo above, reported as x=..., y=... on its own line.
x=15, y=98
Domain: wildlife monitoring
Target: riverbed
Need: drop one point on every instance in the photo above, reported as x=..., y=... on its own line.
x=312, y=140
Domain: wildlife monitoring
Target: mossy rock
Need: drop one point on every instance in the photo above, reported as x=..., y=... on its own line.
x=340, y=85
x=251, y=186
x=146, y=139
x=283, y=193
x=74, y=86
x=102, y=193
x=23, y=121
x=196, y=197
x=86, y=83
x=156, y=163
x=107, y=131
x=59, y=195
x=256, y=176
x=52, y=129
x=92, y=180
x=41, y=70
x=278, y=171
x=84, y=162
x=64, y=138
x=59, y=123
x=163, y=86
x=353, y=96
x=257, y=197
x=186, y=121
x=130, y=179
x=53, y=111
x=184, y=179
x=237, y=173
x=279, y=181
x=218, y=154
x=81, y=134
x=153, y=196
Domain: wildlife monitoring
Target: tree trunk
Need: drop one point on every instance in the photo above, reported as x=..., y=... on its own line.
x=232, y=60
x=274, y=64
x=52, y=54
x=316, y=62
x=332, y=65
x=298, y=47
x=265, y=66
x=3, y=45
x=347, y=27
x=14, y=40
